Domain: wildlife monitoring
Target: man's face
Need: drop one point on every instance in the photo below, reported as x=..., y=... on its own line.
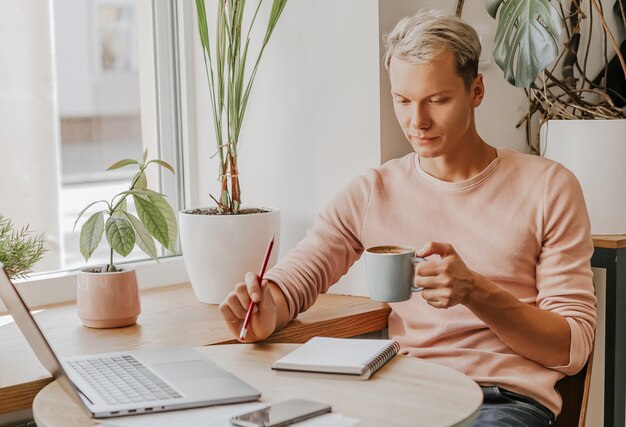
x=433, y=105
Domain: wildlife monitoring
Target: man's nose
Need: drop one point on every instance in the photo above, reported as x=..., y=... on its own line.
x=420, y=118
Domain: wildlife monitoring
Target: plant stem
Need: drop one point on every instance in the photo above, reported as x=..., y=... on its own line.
x=110, y=266
x=132, y=185
x=608, y=32
x=459, y=8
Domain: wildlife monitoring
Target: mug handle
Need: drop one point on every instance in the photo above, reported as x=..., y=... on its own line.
x=416, y=260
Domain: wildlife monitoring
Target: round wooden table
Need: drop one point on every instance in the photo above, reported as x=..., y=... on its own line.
x=405, y=392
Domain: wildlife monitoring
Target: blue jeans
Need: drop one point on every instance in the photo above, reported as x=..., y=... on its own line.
x=502, y=408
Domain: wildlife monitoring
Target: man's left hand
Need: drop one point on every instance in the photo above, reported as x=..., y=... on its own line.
x=446, y=281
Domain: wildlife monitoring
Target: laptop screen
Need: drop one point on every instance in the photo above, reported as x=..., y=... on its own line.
x=37, y=341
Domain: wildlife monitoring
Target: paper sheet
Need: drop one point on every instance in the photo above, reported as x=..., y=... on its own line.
x=217, y=416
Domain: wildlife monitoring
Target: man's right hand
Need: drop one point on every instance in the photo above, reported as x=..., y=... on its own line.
x=264, y=315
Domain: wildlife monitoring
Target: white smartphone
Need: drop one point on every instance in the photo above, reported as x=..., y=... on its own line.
x=281, y=414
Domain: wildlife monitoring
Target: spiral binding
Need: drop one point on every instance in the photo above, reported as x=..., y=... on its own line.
x=375, y=363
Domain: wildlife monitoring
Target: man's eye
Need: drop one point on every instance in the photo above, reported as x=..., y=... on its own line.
x=439, y=100
x=402, y=101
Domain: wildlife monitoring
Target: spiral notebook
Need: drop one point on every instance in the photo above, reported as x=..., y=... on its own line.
x=357, y=357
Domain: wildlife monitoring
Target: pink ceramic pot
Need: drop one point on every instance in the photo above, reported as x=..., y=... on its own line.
x=108, y=300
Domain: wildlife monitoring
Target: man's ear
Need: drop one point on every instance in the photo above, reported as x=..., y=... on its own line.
x=477, y=90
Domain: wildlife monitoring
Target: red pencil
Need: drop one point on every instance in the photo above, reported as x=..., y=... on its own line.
x=246, y=321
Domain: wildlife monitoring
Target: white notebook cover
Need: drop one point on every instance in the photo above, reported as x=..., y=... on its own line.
x=339, y=355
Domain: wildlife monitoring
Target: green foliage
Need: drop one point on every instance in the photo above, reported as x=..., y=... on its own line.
x=225, y=65
x=156, y=218
x=526, y=40
x=19, y=249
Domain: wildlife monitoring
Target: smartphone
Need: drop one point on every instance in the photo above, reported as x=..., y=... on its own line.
x=281, y=414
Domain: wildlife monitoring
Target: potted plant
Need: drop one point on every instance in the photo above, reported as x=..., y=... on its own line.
x=108, y=296
x=220, y=244
x=19, y=249
x=581, y=117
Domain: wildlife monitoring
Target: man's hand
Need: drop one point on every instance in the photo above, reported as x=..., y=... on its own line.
x=447, y=281
x=264, y=315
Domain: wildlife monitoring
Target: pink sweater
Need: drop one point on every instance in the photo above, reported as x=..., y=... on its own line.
x=521, y=222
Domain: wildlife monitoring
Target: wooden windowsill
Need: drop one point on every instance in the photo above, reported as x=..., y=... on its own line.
x=170, y=316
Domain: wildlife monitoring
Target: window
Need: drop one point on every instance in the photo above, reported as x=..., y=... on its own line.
x=99, y=110
x=91, y=82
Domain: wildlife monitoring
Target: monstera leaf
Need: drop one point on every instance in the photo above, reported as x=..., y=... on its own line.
x=526, y=39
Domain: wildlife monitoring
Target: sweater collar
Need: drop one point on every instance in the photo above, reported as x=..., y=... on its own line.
x=460, y=185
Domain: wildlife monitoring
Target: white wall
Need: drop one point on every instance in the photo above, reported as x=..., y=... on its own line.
x=29, y=152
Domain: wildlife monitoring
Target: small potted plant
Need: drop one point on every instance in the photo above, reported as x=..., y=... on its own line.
x=108, y=296
x=19, y=249
x=222, y=243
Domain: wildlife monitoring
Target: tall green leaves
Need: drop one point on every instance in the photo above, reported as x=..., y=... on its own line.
x=526, y=40
x=225, y=64
x=155, y=218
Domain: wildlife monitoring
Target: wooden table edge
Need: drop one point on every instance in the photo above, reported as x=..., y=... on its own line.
x=616, y=241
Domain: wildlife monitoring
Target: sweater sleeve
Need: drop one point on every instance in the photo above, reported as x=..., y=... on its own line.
x=563, y=272
x=328, y=250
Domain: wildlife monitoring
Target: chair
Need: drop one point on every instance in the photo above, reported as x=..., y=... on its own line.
x=575, y=393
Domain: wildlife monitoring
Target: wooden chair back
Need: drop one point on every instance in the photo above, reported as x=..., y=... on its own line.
x=575, y=393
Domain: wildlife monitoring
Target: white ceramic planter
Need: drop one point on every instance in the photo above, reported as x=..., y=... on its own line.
x=220, y=249
x=595, y=151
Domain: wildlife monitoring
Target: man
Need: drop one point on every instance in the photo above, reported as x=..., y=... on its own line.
x=508, y=296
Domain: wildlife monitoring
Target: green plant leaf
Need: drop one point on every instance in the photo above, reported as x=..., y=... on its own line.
x=84, y=210
x=145, y=154
x=91, y=234
x=172, y=226
x=143, y=238
x=526, y=40
x=153, y=219
x=492, y=7
x=143, y=192
x=19, y=249
x=122, y=163
x=164, y=164
x=120, y=235
x=140, y=180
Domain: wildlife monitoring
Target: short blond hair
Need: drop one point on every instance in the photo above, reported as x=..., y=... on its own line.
x=427, y=34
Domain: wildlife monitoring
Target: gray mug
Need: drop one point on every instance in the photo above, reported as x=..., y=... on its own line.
x=389, y=272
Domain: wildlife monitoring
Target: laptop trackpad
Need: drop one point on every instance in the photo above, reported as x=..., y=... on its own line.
x=187, y=370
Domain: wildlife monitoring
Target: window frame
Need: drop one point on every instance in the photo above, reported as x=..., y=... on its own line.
x=166, y=128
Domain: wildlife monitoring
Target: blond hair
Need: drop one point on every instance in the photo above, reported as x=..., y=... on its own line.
x=427, y=34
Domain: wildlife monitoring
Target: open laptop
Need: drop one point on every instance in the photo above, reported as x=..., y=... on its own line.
x=132, y=382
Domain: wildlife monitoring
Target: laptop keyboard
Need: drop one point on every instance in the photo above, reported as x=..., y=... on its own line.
x=123, y=379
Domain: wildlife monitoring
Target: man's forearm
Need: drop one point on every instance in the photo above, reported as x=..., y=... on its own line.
x=282, y=308
x=539, y=335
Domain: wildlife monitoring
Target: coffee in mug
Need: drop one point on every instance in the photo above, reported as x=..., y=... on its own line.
x=389, y=272
x=387, y=250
